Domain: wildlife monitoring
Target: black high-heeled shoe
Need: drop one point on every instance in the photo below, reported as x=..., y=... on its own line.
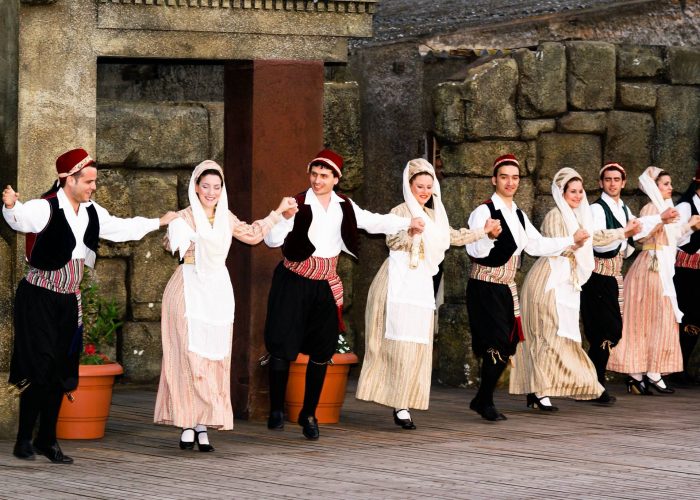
x=404, y=423
x=186, y=445
x=535, y=402
x=637, y=387
x=201, y=446
x=655, y=384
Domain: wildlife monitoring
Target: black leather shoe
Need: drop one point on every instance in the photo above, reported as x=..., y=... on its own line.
x=53, y=453
x=201, y=446
x=655, y=384
x=637, y=387
x=404, y=423
x=535, y=402
x=309, y=426
x=275, y=422
x=23, y=449
x=605, y=399
x=186, y=445
x=488, y=412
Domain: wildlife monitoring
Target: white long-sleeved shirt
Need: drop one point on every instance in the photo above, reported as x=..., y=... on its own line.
x=527, y=239
x=684, y=212
x=33, y=216
x=617, y=208
x=324, y=231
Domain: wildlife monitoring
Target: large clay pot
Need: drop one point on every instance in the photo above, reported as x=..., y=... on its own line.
x=332, y=395
x=86, y=416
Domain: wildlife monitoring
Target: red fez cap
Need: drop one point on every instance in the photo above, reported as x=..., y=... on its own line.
x=72, y=161
x=328, y=158
x=613, y=166
x=505, y=160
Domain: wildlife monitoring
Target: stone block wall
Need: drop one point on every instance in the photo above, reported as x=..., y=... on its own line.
x=576, y=104
x=149, y=138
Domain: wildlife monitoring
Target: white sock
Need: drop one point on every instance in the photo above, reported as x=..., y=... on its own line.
x=202, y=434
x=403, y=414
x=187, y=436
x=637, y=376
x=544, y=400
x=656, y=378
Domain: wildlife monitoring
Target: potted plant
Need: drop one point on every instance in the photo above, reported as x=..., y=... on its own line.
x=334, y=385
x=84, y=412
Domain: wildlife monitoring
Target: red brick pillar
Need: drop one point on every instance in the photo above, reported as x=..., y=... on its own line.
x=273, y=127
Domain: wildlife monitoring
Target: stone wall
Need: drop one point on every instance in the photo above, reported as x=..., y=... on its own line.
x=577, y=104
x=153, y=127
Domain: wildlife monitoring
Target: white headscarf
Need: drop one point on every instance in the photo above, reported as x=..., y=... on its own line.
x=436, y=234
x=575, y=219
x=209, y=302
x=666, y=254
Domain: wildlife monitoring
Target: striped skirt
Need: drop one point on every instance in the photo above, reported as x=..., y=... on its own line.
x=545, y=362
x=649, y=330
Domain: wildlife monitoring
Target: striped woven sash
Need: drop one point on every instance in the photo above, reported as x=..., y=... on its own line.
x=688, y=260
x=612, y=267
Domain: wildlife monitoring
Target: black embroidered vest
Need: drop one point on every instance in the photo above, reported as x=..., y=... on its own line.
x=694, y=244
x=52, y=248
x=612, y=223
x=505, y=244
x=297, y=247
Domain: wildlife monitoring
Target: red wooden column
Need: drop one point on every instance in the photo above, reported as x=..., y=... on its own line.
x=273, y=127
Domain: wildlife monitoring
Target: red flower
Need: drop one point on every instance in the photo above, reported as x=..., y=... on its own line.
x=90, y=349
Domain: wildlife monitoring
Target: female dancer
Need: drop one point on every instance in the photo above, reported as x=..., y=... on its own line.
x=198, y=307
x=399, y=319
x=650, y=345
x=551, y=361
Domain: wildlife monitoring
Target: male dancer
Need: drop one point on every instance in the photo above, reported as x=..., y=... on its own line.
x=492, y=296
x=66, y=227
x=601, y=297
x=304, y=310
x=687, y=279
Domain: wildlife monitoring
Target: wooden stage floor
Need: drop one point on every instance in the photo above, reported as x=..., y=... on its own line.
x=643, y=447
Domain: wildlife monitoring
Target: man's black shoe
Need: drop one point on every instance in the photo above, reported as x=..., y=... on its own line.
x=23, y=449
x=275, y=422
x=309, y=426
x=53, y=453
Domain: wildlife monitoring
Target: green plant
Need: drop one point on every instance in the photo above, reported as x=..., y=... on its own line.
x=343, y=347
x=101, y=320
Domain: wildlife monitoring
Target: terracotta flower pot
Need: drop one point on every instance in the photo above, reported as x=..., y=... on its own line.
x=332, y=395
x=86, y=416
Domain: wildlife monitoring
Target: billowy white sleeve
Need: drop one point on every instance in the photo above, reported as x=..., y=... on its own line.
x=648, y=222
x=599, y=224
x=684, y=217
x=30, y=217
x=117, y=229
x=278, y=232
x=379, y=223
x=480, y=248
x=539, y=246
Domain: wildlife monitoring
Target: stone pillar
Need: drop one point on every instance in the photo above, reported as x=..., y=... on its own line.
x=273, y=127
x=9, y=70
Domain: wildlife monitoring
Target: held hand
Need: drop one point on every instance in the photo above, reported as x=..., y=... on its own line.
x=288, y=207
x=493, y=228
x=580, y=237
x=167, y=218
x=416, y=226
x=9, y=197
x=669, y=216
x=695, y=222
x=633, y=227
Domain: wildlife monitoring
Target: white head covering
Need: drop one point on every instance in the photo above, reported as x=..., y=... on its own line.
x=209, y=302
x=665, y=254
x=436, y=234
x=213, y=240
x=574, y=219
